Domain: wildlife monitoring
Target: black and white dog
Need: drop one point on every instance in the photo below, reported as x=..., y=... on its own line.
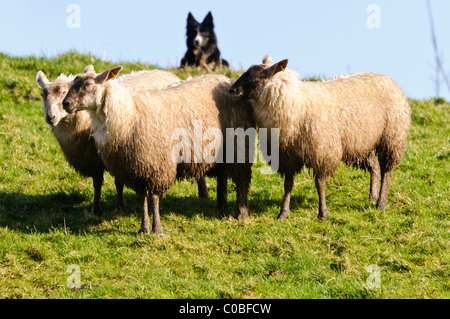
x=202, y=45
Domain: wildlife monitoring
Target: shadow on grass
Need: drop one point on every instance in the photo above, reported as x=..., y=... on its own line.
x=44, y=212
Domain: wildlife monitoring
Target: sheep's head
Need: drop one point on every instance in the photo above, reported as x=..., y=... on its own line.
x=255, y=77
x=87, y=90
x=52, y=95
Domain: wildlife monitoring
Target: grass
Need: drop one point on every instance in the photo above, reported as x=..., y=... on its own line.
x=46, y=225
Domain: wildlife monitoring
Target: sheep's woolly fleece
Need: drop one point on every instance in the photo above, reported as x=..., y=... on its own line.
x=134, y=132
x=342, y=118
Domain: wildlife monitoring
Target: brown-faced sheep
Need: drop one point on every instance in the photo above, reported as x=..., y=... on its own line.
x=322, y=123
x=149, y=80
x=137, y=132
x=73, y=131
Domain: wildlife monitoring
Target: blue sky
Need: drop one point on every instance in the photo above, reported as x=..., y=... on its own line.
x=320, y=38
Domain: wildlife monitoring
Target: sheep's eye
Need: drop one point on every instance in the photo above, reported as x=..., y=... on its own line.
x=64, y=92
x=89, y=85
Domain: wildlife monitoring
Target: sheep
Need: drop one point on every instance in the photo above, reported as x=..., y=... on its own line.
x=136, y=134
x=73, y=132
x=320, y=124
x=155, y=79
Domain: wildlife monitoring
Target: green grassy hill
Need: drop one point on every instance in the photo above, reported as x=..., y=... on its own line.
x=46, y=225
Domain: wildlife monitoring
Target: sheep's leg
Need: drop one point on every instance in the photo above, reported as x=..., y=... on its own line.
x=385, y=182
x=375, y=175
x=98, y=182
x=374, y=186
x=372, y=164
x=288, y=183
x=145, y=220
x=320, y=186
x=157, y=226
x=242, y=200
x=120, y=205
x=222, y=180
x=202, y=188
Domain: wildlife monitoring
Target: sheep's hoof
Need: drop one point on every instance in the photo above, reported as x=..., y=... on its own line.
x=119, y=210
x=120, y=207
x=97, y=210
x=284, y=214
x=374, y=199
x=143, y=230
x=222, y=209
x=157, y=230
x=381, y=206
x=323, y=214
x=241, y=215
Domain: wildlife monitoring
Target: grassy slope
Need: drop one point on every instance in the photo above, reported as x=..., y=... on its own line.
x=45, y=224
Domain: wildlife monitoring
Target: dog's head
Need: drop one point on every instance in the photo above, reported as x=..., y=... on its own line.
x=199, y=35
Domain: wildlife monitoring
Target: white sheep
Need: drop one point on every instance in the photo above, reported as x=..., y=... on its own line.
x=73, y=131
x=134, y=133
x=322, y=123
x=149, y=80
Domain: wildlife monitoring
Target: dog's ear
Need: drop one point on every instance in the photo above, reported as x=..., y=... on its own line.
x=191, y=20
x=208, y=21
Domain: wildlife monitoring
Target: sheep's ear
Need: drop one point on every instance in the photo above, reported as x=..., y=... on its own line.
x=277, y=67
x=107, y=75
x=89, y=68
x=267, y=59
x=42, y=79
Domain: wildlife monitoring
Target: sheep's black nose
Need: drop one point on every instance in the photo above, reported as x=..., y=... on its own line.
x=66, y=105
x=51, y=119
